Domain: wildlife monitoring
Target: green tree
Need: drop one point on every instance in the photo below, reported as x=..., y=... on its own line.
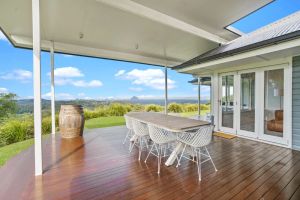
x=8, y=104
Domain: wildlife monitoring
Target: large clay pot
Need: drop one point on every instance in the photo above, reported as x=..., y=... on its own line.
x=71, y=121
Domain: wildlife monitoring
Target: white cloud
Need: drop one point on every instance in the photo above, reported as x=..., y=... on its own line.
x=2, y=36
x=81, y=94
x=81, y=83
x=68, y=72
x=18, y=74
x=136, y=89
x=59, y=96
x=68, y=75
x=3, y=90
x=120, y=72
x=147, y=97
x=153, y=78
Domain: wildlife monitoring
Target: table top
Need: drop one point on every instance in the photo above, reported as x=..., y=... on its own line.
x=168, y=122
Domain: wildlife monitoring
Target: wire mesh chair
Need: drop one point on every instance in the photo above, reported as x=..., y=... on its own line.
x=197, y=141
x=142, y=135
x=161, y=141
x=129, y=126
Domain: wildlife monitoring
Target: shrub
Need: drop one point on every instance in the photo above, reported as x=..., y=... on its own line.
x=46, y=125
x=205, y=107
x=153, y=108
x=117, y=109
x=15, y=130
x=175, y=107
x=190, y=107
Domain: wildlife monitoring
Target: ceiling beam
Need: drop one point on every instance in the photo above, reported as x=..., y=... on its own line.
x=26, y=42
x=143, y=11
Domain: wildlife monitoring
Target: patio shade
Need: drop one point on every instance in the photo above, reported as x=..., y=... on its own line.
x=156, y=32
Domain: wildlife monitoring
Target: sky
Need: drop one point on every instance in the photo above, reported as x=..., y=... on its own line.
x=78, y=77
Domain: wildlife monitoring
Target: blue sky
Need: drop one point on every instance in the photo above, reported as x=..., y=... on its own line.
x=84, y=78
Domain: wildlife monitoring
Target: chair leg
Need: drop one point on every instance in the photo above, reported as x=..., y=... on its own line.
x=140, y=148
x=198, y=163
x=146, y=142
x=211, y=159
x=132, y=145
x=159, y=159
x=127, y=135
x=178, y=163
x=149, y=153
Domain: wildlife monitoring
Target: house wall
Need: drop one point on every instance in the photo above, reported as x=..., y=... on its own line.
x=296, y=104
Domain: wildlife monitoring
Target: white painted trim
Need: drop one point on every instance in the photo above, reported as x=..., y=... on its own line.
x=253, y=53
x=199, y=97
x=166, y=90
x=37, y=87
x=256, y=105
x=22, y=41
x=215, y=99
x=52, y=89
x=146, y=12
x=220, y=89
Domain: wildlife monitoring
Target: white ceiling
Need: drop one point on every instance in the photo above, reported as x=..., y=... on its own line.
x=110, y=31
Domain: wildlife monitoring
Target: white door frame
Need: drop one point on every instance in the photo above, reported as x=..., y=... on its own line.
x=238, y=109
x=222, y=128
x=286, y=105
x=259, y=104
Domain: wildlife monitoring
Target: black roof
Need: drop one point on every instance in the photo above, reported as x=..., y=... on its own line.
x=287, y=28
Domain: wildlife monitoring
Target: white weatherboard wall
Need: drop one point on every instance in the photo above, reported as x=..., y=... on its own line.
x=296, y=104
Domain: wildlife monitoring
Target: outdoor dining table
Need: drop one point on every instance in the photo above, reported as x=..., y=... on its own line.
x=170, y=123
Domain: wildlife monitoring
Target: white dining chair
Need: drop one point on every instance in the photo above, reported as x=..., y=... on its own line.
x=197, y=141
x=130, y=132
x=142, y=135
x=162, y=140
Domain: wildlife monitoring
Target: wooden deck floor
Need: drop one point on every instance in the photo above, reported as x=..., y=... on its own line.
x=98, y=166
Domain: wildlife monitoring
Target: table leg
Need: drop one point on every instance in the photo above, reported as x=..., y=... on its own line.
x=174, y=154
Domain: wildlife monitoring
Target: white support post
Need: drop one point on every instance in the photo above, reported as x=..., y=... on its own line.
x=52, y=89
x=199, y=103
x=166, y=90
x=36, y=37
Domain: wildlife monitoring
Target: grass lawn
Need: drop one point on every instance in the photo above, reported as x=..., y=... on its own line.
x=102, y=122
x=11, y=150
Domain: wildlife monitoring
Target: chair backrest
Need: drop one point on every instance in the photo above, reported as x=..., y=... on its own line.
x=202, y=136
x=159, y=135
x=128, y=122
x=139, y=128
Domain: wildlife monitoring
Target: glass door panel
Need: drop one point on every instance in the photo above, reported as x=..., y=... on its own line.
x=273, y=102
x=227, y=101
x=247, y=102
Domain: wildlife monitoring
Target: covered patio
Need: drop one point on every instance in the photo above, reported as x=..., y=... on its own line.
x=98, y=166
x=158, y=33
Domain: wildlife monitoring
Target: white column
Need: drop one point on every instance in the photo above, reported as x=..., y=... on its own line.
x=52, y=89
x=215, y=99
x=166, y=90
x=199, y=103
x=37, y=87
